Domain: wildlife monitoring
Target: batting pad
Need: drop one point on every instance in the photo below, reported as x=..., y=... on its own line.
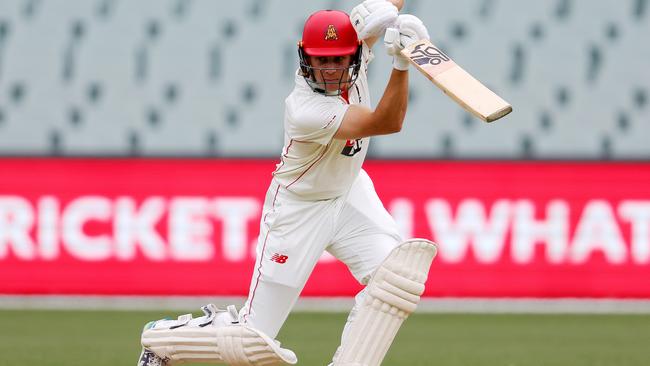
x=235, y=345
x=392, y=295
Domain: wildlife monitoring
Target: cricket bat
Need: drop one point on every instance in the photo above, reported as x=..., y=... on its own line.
x=456, y=82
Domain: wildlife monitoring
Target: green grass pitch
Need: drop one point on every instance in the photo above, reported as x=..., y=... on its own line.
x=103, y=338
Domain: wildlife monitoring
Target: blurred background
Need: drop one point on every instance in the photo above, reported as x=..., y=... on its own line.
x=199, y=78
x=137, y=140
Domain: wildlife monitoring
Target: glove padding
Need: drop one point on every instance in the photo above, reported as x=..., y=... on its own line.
x=372, y=17
x=407, y=30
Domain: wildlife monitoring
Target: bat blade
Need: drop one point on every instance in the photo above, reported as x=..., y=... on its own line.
x=457, y=83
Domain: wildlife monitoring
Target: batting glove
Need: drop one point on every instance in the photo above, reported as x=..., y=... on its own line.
x=372, y=17
x=407, y=30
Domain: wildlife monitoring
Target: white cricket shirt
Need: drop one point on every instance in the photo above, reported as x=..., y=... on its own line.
x=314, y=166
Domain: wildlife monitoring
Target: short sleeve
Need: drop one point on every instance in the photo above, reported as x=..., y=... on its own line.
x=316, y=119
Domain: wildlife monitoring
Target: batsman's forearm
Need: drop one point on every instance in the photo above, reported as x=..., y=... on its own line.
x=392, y=106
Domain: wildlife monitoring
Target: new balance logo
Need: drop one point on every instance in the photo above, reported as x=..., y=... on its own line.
x=279, y=258
x=352, y=147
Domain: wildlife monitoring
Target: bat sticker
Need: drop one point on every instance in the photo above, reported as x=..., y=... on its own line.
x=429, y=55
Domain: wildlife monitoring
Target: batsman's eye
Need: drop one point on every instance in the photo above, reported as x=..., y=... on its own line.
x=322, y=60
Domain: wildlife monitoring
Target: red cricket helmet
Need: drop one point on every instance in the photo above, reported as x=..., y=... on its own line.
x=329, y=33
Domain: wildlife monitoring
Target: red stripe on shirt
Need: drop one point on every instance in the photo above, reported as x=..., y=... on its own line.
x=284, y=155
x=312, y=164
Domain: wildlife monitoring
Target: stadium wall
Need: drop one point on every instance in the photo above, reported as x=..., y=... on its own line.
x=160, y=227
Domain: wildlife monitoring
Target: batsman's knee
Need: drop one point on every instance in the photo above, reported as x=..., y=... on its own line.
x=391, y=296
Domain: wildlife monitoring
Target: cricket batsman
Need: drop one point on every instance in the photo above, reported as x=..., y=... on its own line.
x=321, y=199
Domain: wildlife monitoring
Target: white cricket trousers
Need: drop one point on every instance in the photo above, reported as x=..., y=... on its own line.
x=354, y=228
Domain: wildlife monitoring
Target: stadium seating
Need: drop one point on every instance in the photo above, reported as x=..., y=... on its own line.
x=209, y=78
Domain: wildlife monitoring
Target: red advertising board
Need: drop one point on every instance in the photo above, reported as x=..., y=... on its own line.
x=189, y=227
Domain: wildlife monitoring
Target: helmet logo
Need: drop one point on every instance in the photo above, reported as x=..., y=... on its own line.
x=331, y=34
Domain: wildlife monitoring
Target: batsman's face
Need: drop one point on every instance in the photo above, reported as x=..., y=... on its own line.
x=333, y=71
